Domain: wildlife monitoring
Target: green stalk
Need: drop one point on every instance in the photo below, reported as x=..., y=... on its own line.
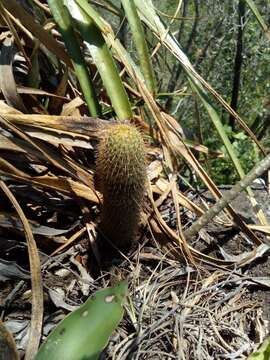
x=218, y=125
x=140, y=43
x=64, y=22
x=101, y=55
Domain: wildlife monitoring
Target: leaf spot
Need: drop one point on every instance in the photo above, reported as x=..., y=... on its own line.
x=109, y=298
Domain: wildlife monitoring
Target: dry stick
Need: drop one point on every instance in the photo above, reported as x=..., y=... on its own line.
x=256, y=172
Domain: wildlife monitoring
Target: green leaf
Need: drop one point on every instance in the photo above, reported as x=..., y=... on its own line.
x=263, y=353
x=240, y=136
x=85, y=332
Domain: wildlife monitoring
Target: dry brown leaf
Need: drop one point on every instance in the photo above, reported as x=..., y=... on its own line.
x=71, y=108
x=6, y=109
x=246, y=257
x=61, y=162
x=7, y=81
x=5, y=166
x=64, y=185
x=70, y=241
x=13, y=31
x=58, y=137
x=82, y=125
x=7, y=144
x=33, y=91
x=154, y=170
x=36, y=29
x=36, y=279
x=159, y=227
x=161, y=185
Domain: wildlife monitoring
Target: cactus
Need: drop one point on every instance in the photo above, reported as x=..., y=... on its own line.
x=121, y=171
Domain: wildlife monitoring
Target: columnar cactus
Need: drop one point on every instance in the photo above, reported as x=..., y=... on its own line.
x=121, y=172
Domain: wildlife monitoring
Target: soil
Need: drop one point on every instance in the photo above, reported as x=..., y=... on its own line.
x=235, y=245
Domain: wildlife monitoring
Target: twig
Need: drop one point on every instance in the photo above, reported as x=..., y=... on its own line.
x=256, y=172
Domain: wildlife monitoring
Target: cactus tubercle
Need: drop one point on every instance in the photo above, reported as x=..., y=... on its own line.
x=121, y=171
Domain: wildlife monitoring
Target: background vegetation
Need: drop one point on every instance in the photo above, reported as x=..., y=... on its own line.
x=222, y=40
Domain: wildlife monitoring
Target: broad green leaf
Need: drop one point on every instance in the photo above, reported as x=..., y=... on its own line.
x=85, y=332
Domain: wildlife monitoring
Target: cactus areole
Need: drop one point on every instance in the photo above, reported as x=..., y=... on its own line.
x=121, y=171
